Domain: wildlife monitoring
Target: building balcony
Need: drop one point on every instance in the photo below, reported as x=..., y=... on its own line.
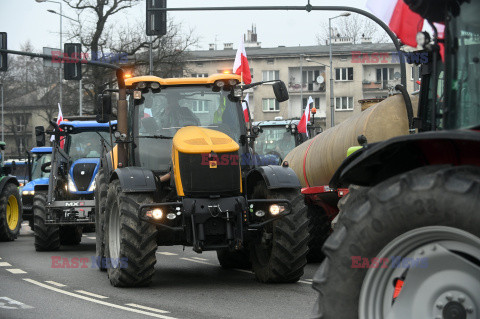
x=376, y=86
x=307, y=87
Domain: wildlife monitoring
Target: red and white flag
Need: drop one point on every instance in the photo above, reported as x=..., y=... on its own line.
x=397, y=15
x=240, y=66
x=302, y=125
x=245, y=108
x=59, y=119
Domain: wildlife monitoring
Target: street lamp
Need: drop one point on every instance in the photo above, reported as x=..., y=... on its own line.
x=313, y=61
x=332, y=107
x=3, y=126
x=80, y=96
x=60, y=68
x=301, y=83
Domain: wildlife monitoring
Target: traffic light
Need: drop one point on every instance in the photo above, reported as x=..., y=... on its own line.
x=72, y=69
x=156, y=20
x=3, y=56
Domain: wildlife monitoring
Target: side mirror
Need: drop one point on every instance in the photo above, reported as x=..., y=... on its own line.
x=281, y=92
x=256, y=130
x=3, y=146
x=40, y=135
x=104, y=108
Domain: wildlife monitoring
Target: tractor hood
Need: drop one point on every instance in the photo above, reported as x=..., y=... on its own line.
x=30, y=186
x=82, y=175
x=197, y=140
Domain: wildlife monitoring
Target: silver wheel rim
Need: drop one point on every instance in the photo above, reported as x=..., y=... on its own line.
x=114, y=234
x=444, y=278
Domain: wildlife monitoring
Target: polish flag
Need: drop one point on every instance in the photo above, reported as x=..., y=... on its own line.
x=302, y=125
x=397, y=15
x=240, y=66
x=245, y=108
x=59, y=119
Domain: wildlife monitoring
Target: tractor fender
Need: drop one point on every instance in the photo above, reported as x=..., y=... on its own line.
x=274, y=177
x=135, y=179
x=380, y=161
x=8, y=179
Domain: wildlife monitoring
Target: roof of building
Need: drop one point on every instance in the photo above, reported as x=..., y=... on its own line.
x=315, y=50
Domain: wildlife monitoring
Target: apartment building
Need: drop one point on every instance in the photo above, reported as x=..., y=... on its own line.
x=360, y=71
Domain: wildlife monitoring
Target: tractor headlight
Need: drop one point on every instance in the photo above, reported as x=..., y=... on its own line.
x=28, y=193
x=156, y=213
x=71, y=185
x=92, y=186
x=276, y=209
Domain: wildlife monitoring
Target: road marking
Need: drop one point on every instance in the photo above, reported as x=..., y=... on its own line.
x=101, y=302
x=198, y=261
x=4, y=264
x=166, y=253
x=91, y=294
x=198, y=258
x=309, y=280
x=55, y=283
x=84, y=235
x=146, y=308
x=16, y=271
x=305, y=282
x=91, y=237
x=13, y=304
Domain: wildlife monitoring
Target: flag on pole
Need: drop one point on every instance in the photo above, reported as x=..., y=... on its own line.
x=397, y=15
x=59, y=119
x=245, y=108
x=240, y=66
x=302, y=125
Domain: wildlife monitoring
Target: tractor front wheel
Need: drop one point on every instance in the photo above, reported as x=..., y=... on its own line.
x=47, y=237
x=10, y=212
x=130, y=243
x=280, y=254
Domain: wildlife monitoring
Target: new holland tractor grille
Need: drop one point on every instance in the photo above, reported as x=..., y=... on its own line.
x=199, y=178
x=82, y=175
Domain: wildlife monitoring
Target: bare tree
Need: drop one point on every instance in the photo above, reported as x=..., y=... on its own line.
x=356, y=27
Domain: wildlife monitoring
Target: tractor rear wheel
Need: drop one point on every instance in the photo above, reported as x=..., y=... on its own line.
x=47, y=237
x=409, y=248
x=239, y=259
x=280, y=255
x=100, y=200
x=70, y=235
x=130, y=243
x=10, y=212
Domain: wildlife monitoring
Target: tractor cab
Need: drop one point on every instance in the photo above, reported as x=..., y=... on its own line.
x=277, y=138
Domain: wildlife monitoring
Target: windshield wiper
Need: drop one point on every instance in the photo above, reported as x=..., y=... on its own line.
x=163, y=137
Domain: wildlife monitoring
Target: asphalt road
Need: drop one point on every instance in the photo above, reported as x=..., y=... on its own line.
x=186, y=285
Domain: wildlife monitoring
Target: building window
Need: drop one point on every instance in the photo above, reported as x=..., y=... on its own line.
x=270, y=61
x=385, y=74
x=200, y=64
x=271, y=75
x=344, y=74
x=200, y=107
x=200, y=75
x=270, y=105
x=344, y=103
x=316, y=103
x=418, y=73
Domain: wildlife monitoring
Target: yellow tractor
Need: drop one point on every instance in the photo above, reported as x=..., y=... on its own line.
x=184, y=172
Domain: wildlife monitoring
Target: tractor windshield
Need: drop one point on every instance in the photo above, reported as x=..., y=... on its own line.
x=161, y=114
x=463, y=73
x=275, y=140
x=38, y=161
x=86, y=145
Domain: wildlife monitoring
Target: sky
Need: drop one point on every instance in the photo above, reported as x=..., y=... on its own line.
x=28, y=20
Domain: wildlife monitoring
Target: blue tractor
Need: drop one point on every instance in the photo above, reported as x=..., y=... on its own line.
x=37, y=157
x=64, y=206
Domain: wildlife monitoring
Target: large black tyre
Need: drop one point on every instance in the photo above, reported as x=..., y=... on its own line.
x=419, y=202
x=280, y=255
x=239, y=259
x=319, y=230
x=100, y=201
x=130, y=243
x=70, y=235
x=47, y=238
x=10, y=212
x=355, y=193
